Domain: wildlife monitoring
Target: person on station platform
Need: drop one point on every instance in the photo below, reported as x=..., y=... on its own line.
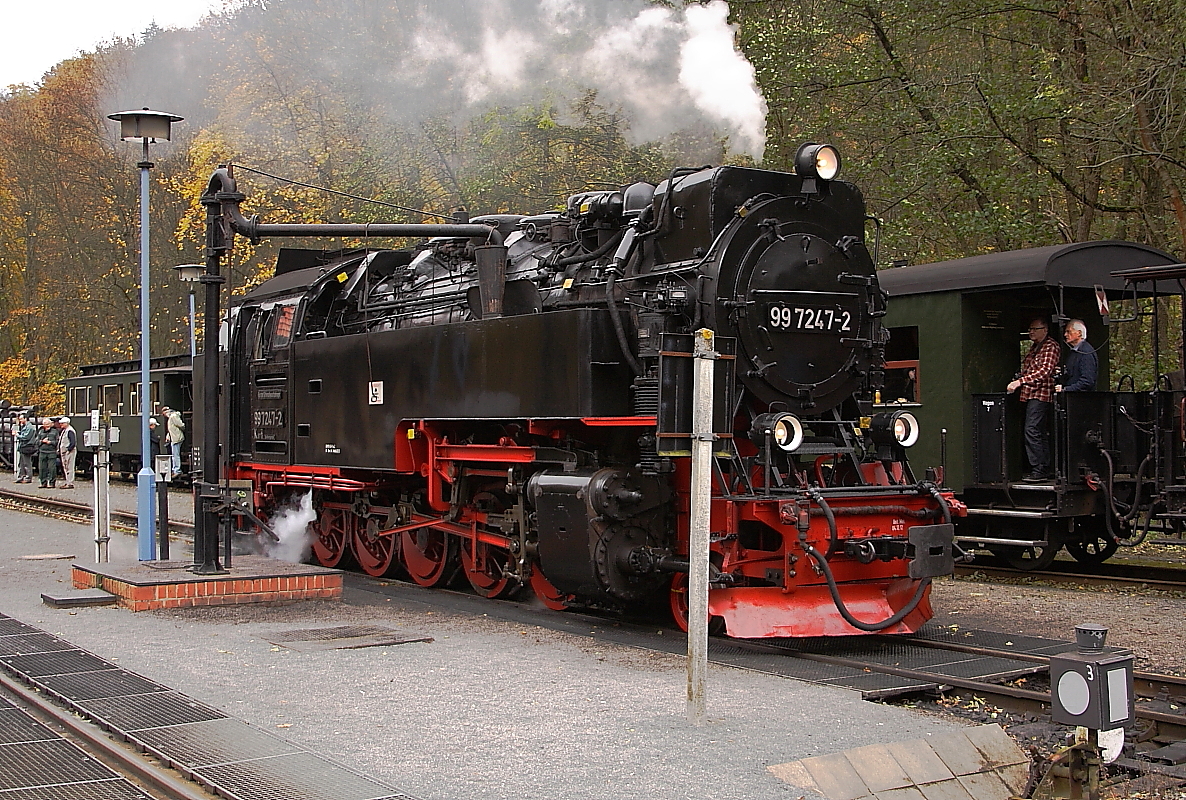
x=67, y=450
x=26, y=448
x=154, y=441
x=1036, y=381
x=175, y=435
x=1081, y=367
x=47, y=453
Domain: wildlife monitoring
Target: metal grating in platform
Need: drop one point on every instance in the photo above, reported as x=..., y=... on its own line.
x=11, y=627
x=988, y=669
x=112, y=789
x=286, y=777
x=60, y=663
x=80, y=686
x=32, y=643
x=971, y=637
x=16, y=727
x=45, y=763
x=209, y=743
x=224, y=754
x=137, y=712
x=872, y=685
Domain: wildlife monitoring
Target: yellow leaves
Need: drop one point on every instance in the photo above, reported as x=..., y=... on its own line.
x=12, y=371
x=19, y=385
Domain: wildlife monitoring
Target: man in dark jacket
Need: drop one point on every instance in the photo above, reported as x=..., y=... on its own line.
x=154, y=441
x=47, y=453
x=1079, y=370
x=26, y=445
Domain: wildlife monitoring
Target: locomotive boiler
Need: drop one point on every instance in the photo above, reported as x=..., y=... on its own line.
x=500, y=402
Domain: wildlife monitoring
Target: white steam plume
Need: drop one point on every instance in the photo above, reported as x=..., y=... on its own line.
x=671, y=69
x=291, y=524
x=719, y=79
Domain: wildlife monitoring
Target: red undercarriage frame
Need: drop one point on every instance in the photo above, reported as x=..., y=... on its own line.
x=793, y=600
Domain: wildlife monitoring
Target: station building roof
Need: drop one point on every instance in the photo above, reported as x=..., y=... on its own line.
x=1080, y=265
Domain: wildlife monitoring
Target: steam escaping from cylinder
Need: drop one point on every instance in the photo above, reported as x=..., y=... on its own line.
x=291, y=526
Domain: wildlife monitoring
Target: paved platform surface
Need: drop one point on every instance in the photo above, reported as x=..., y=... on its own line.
x=489, y=708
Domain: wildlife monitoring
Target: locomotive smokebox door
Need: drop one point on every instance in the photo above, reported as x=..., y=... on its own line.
x=676, y=395
x=1092, y=688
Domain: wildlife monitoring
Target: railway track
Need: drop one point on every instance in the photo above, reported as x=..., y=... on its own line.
x=128, y=772
x=1115, y=574
x=79, y=512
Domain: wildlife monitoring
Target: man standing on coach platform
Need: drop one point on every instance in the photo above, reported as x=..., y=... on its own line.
x=1036, y=381
x=1079, y=372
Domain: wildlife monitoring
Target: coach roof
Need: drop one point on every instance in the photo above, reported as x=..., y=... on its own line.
x=1084, y=265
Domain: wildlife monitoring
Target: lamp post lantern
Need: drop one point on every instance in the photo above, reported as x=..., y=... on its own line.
x=147, y=127
x=191, y=274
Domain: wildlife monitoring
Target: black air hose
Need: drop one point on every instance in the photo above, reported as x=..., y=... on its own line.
x=1132, y=541
x=935, y=493
x=833, y=534
x=611, y=276
x=1109, y=501
x=583, y=258
x=1136, y=500
x=870, y=627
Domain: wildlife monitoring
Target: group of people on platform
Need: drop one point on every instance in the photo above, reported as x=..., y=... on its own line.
x=1037, y=383
x=54, y=443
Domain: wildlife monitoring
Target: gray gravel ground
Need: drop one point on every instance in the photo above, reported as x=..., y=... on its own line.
x=489, y=709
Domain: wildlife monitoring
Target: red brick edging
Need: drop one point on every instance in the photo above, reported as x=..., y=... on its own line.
x=212, y=592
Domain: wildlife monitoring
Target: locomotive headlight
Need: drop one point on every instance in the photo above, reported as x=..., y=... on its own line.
x=905, y=428
x=785, y=429
x=817, y=161
x=900, y=428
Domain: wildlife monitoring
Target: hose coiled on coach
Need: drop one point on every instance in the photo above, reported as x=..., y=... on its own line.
x=1110, y=499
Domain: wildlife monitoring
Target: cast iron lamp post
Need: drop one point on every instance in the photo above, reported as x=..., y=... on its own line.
x=147, y=127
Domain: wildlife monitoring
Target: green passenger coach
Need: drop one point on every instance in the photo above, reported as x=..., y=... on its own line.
x=957, y=336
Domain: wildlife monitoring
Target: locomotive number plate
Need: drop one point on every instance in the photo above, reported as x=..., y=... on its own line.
x=810, y=319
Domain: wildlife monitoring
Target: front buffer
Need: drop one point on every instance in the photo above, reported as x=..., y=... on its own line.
x=836, y=564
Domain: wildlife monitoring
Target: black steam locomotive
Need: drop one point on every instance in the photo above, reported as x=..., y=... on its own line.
x=508, y=402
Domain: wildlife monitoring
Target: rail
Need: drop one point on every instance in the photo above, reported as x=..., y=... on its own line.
x=80, y=512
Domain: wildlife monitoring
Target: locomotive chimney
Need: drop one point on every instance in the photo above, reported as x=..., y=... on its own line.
x=492, y=268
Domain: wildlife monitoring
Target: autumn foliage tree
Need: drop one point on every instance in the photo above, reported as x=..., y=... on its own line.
x=971, y=126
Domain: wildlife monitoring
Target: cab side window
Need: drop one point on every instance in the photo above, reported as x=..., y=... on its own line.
x=902, y=384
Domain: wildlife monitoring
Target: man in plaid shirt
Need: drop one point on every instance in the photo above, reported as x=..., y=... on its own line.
x=1036, y=381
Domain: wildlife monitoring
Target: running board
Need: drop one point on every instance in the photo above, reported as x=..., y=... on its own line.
x=1007, y=542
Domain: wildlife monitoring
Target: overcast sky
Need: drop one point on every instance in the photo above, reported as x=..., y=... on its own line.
x=41, y=34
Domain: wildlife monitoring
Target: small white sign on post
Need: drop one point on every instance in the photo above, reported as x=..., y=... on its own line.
x=94, y=419
x=375, y=397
